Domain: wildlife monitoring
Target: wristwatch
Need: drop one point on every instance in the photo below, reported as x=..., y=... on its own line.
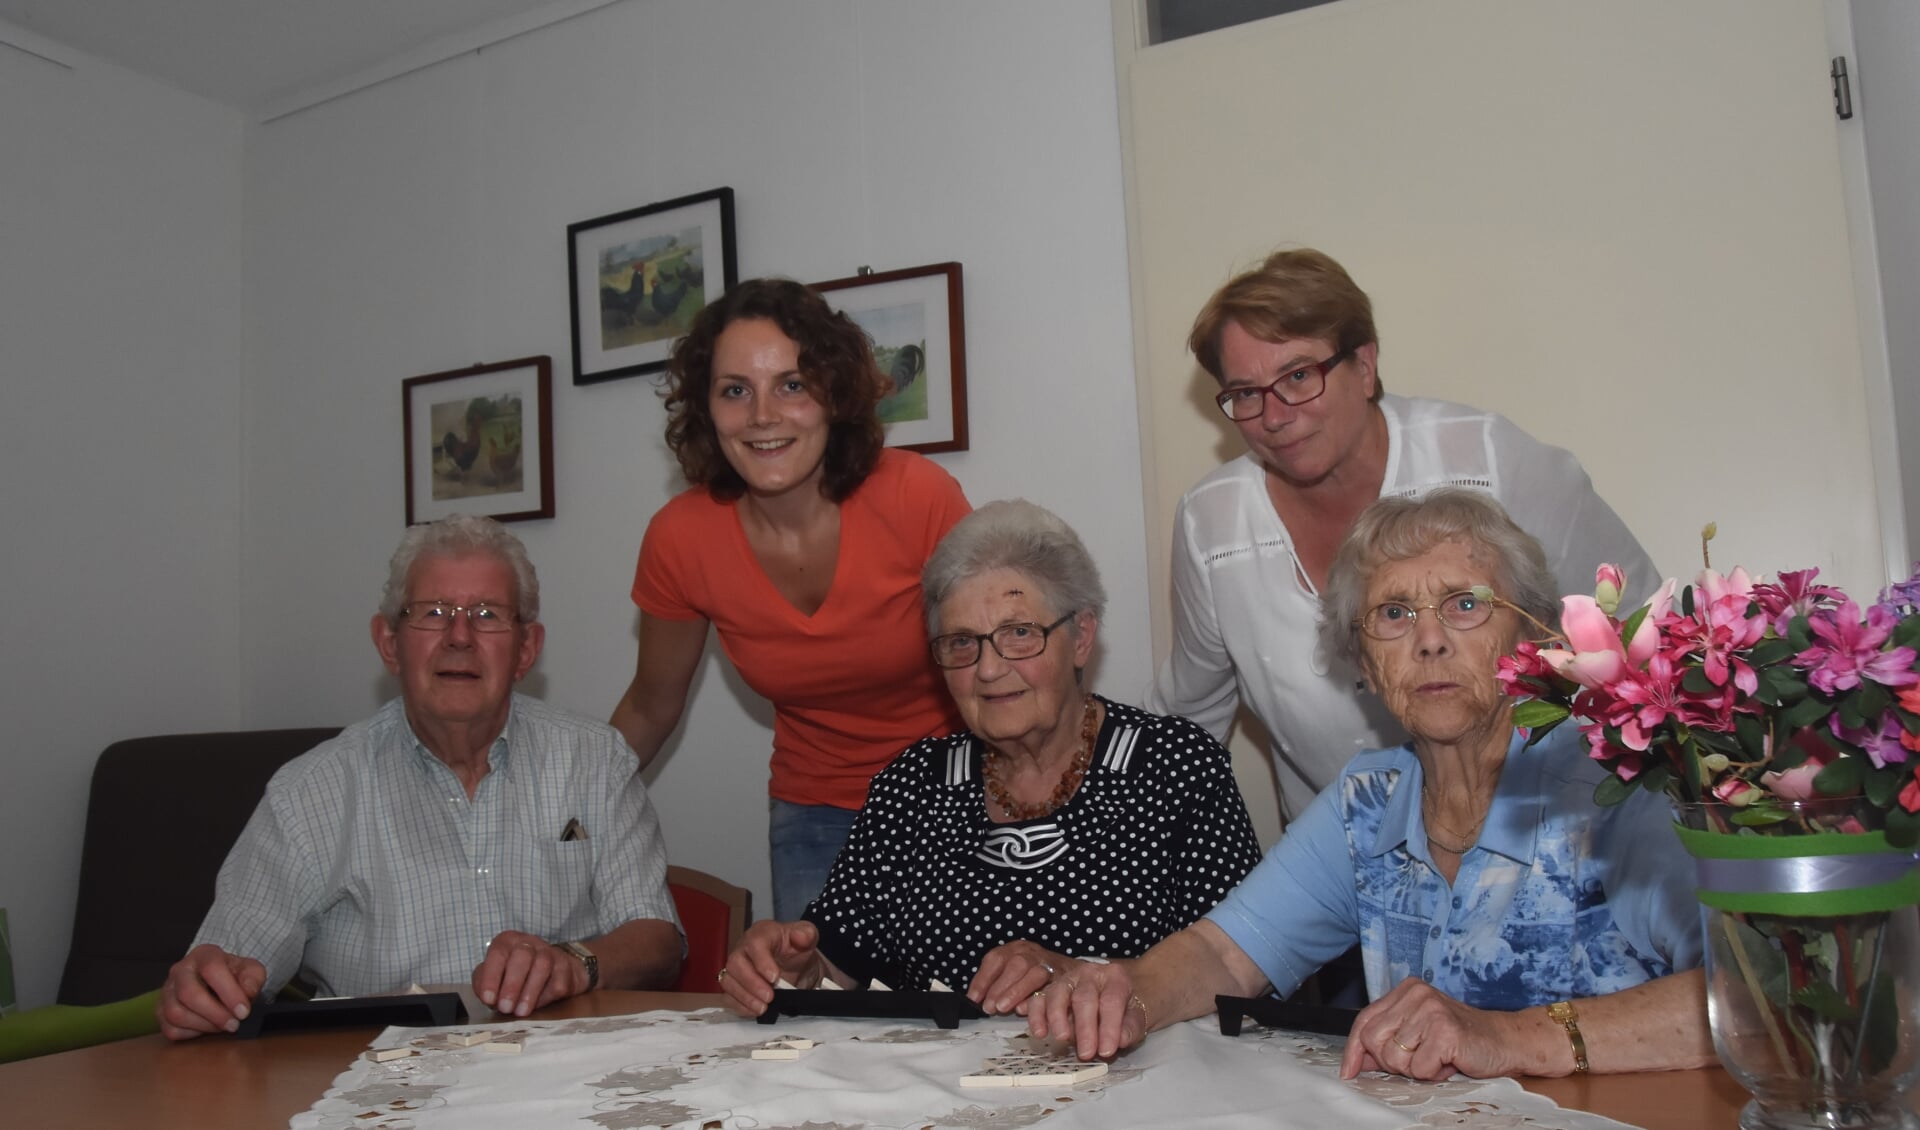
x=587, y=959
x=1563, y=1014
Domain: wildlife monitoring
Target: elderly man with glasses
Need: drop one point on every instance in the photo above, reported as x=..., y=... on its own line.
x=462, y=832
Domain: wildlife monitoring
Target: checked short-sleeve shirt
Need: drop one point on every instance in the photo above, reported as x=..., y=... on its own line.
x=366, y=866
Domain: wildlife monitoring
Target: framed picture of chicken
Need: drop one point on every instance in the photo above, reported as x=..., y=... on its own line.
x=480, y=441
x=915, y=319
x=640, y=276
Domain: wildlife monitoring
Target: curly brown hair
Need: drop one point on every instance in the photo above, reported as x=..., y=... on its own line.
x=836, y=361
x=1298, y=293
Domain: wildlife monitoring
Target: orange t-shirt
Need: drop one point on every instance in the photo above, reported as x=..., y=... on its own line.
x=851, y=685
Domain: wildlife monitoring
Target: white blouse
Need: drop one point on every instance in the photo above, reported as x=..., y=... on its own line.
x=1245, y=615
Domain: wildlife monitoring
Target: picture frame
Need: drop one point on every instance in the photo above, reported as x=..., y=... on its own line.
x=914, y=310
x=638, y=277
x=479, y=440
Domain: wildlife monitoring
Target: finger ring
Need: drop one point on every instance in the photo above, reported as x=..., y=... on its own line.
x=1401, y=1046
x=1051, y=971
x=1036, y=993
x=720, y=976
x=1069, y=983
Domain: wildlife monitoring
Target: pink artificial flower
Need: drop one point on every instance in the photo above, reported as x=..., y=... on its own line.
x=1794, y=595
x=1795, y=783
x=1717, y=587
x=1596, y=658
x=1880, y=743
x=1850, y=650
x=1734, y=791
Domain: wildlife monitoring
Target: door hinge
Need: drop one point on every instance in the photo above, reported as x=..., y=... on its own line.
x=1842, y=92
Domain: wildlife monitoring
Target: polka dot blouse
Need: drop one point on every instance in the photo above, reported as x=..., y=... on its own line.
x=1155, y=836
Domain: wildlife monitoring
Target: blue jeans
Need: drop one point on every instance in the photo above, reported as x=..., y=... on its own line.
x=804, y=840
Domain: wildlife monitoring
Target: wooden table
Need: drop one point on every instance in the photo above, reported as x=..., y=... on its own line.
x=215, y=1083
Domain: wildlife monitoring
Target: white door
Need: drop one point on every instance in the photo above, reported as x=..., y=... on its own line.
x=1619, y=223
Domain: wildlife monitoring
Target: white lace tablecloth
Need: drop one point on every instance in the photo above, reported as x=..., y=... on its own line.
x=693, y=1070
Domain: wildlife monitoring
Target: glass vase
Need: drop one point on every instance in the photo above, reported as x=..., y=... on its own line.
x=1812, y=962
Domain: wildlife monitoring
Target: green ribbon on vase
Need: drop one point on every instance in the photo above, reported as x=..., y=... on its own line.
x=1821, y=875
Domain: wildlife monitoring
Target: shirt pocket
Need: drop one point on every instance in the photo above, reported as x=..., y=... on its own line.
x=563, y=889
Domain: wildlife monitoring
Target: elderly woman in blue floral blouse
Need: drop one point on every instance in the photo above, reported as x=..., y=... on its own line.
x=1509, y=925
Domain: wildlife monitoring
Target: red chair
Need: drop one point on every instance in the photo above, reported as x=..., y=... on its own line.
x=714, y=913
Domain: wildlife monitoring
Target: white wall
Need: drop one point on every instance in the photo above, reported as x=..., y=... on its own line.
x=419, y=225
x=119, y=451
x=1887, y=75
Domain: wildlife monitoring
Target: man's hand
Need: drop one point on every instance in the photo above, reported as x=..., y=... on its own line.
x=209, y=990
x=768, y=952
x=523, y=972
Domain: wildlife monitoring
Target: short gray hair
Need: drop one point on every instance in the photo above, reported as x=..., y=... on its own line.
x=1398, y=528
x=1015, y=534
x=461, y=535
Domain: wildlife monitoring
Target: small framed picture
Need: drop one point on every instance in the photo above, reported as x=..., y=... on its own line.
x=480, y=441
x=915, y=319
x=639, y=277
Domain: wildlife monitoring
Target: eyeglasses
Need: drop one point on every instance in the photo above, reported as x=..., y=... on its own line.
x=435, y=616
x=1462, y=611
x=1024, y=640
x=1293, y=389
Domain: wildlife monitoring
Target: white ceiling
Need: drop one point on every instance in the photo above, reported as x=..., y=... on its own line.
x=267, y=56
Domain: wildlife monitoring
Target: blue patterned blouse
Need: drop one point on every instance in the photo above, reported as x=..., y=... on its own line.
x=1559, y=898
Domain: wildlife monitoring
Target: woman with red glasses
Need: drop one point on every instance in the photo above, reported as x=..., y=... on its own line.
x=1293, y=346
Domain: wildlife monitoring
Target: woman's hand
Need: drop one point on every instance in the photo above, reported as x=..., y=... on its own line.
x=1420, y=1032
x=768, y=952
x=1012, y=976
x=1094, y=1006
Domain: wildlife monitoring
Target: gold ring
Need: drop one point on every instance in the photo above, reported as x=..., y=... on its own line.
x=720, y=977
x=1069, y=983
x=1036, y=993
x=1401, y=1046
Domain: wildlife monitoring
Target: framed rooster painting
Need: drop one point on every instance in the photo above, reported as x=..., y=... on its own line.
x=480, y=441
x=639, y=277
x=916, y=320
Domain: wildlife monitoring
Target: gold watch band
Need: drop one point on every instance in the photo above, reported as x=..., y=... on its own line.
x=1563, y=1014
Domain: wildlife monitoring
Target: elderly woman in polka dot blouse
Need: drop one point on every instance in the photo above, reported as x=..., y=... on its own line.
x=1509, y=925
x=1057, y=826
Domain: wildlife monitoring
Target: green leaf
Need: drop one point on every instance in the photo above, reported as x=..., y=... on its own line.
x=1799, y=634
x=1841, y=777
x=1825, y=1002
x=1686, y=601
x=1851, y=715
x=1768, y=652
x=1715, y=741
x=1882, y=1034
x=1612, y=790
x=1759, y=816
x=1907, y=632
x=1781, y=685
x=1903, y=827
x=1695, y=681
x=1655, y=779
x=1752, y=734
x=1788, y=755
x=1805, y=713
x=1873, y=700
x=1883, y=784
x=1533, y=713
x=1633, y=622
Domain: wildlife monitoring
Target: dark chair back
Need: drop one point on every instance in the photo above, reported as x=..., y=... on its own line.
x=161, y=817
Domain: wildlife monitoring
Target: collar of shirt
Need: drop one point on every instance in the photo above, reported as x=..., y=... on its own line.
x=1513, y=819
x=499, y=754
